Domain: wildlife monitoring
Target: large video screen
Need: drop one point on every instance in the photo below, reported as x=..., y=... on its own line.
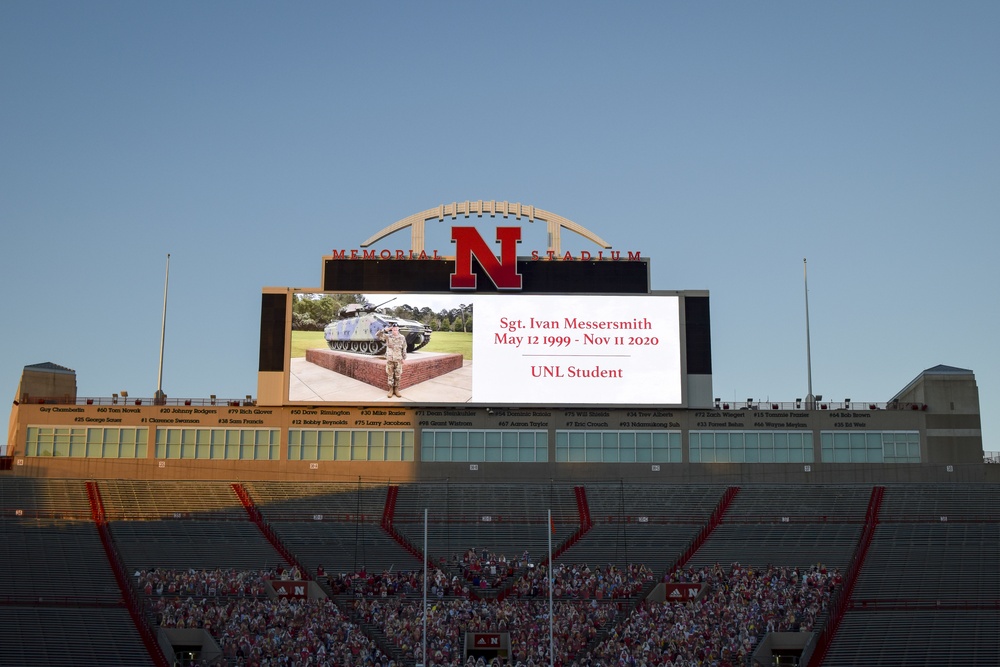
x=485, y=349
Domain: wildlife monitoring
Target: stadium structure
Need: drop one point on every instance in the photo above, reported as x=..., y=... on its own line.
x=552, y=482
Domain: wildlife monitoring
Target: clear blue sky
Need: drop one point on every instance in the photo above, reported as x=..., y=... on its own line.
x=725, y=140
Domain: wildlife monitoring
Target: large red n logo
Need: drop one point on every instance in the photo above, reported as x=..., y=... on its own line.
x=503, y=273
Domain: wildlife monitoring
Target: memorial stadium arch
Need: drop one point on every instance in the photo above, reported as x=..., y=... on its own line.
x=554, y=223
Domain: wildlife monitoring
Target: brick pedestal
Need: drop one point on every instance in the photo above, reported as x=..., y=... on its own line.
x=418, y=367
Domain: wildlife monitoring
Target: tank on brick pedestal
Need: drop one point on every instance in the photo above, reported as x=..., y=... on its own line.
x=356, y=327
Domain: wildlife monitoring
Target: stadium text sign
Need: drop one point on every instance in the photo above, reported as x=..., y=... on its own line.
x=502, y=270
x=684, y=592
x=534, y=349
x=291, y=589
x=486, y=640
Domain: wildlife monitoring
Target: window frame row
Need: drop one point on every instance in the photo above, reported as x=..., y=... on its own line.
x=900, y=446
x=375, y=445
x=93, y=442
x=744, y=446
x=484, y=446
x=619, y=446
x=217, y=444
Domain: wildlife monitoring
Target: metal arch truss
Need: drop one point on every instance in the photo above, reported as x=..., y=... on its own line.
x=554, y=223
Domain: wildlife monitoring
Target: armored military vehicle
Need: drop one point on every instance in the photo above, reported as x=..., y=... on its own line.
x=356, y=325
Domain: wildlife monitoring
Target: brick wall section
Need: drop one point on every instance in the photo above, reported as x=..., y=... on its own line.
x=419, y=367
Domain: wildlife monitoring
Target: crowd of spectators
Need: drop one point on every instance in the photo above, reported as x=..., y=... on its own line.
x=214, y=582
x=402, y=583
x=718, y=629
x=526, y=621
x=252, y=629
x=573, y=580
x=486, y=569
x=474, y=570
x=580, y=581
x=259, y=632
x=722, y=627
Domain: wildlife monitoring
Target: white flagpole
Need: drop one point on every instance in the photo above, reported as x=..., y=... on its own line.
x=810, y=399
x=552, y=653
x=160, y=396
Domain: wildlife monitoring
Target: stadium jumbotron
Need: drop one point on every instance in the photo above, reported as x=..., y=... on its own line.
x=544, y=446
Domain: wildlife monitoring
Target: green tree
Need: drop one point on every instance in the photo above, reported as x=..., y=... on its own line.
x=312, y=312
x=445, y=318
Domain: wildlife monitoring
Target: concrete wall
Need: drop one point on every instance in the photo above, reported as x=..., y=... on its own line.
x=953, y=430
x=50, y=385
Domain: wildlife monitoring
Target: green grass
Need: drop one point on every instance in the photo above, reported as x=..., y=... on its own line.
x=450, y=341
x=441, y=341
x=306, y=340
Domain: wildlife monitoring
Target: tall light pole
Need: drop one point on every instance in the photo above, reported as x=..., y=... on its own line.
x=160, y=398
x=810, y=399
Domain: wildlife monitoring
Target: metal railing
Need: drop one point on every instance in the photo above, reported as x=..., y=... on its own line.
x=804, y=406
x=724, y=406
x=117, y=400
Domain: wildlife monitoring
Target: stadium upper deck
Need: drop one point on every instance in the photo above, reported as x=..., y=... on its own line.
x=929, y=432
x=568, y=367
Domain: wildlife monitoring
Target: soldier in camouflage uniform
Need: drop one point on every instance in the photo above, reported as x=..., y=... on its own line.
x=395, y=354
